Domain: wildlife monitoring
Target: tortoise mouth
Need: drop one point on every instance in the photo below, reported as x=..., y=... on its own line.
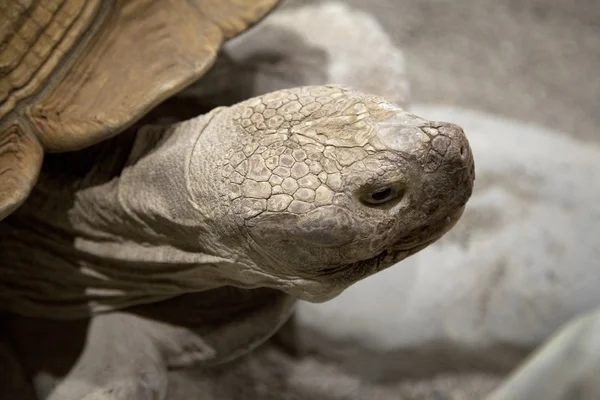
x=404, y=247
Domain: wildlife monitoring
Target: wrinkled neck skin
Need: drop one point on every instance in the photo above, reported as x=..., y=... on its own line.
x=167, y=209
x=306, y=190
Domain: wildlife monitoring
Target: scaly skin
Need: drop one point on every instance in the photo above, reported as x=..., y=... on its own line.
x=304, y=191
x=276, y=192
x=306, y=161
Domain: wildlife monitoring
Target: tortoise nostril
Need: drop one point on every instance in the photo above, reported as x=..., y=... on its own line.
x=464, y=152
x=456, y=134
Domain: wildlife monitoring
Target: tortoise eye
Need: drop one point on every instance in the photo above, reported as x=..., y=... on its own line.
x=381, y=195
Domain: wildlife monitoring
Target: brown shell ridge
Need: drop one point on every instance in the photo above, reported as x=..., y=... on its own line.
x=140, y=55
x=76, y=72
x=20, y=160
x=143, y=52
x=235, y=16
x=31, y=52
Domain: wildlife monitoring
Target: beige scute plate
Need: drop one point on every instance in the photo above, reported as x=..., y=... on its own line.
x=75, y=72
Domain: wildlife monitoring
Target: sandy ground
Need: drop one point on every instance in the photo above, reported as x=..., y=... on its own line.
x=531, y=60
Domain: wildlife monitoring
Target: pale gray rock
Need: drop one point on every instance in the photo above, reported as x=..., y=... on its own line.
x=565, y=368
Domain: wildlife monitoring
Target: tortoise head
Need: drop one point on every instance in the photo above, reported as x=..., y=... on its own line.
x=306, y=190
x=329, y=185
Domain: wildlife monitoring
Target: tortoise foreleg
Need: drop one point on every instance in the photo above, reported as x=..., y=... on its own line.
x=126, y=357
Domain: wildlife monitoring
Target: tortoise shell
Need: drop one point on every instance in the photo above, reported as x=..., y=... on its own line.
x=76, y=72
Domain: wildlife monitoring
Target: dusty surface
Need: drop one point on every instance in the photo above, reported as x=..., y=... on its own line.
x=534, y=60
x=270, y=374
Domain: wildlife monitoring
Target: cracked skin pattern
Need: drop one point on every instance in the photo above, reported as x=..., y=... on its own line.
x=304, y=190
x=306, y=163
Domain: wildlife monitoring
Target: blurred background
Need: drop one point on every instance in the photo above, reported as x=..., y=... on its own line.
x=522, y=77
x=532, y=60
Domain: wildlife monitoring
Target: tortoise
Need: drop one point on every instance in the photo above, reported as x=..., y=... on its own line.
x=188, y=244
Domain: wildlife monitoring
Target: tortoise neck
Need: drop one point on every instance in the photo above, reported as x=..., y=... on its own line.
x=148, y=203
